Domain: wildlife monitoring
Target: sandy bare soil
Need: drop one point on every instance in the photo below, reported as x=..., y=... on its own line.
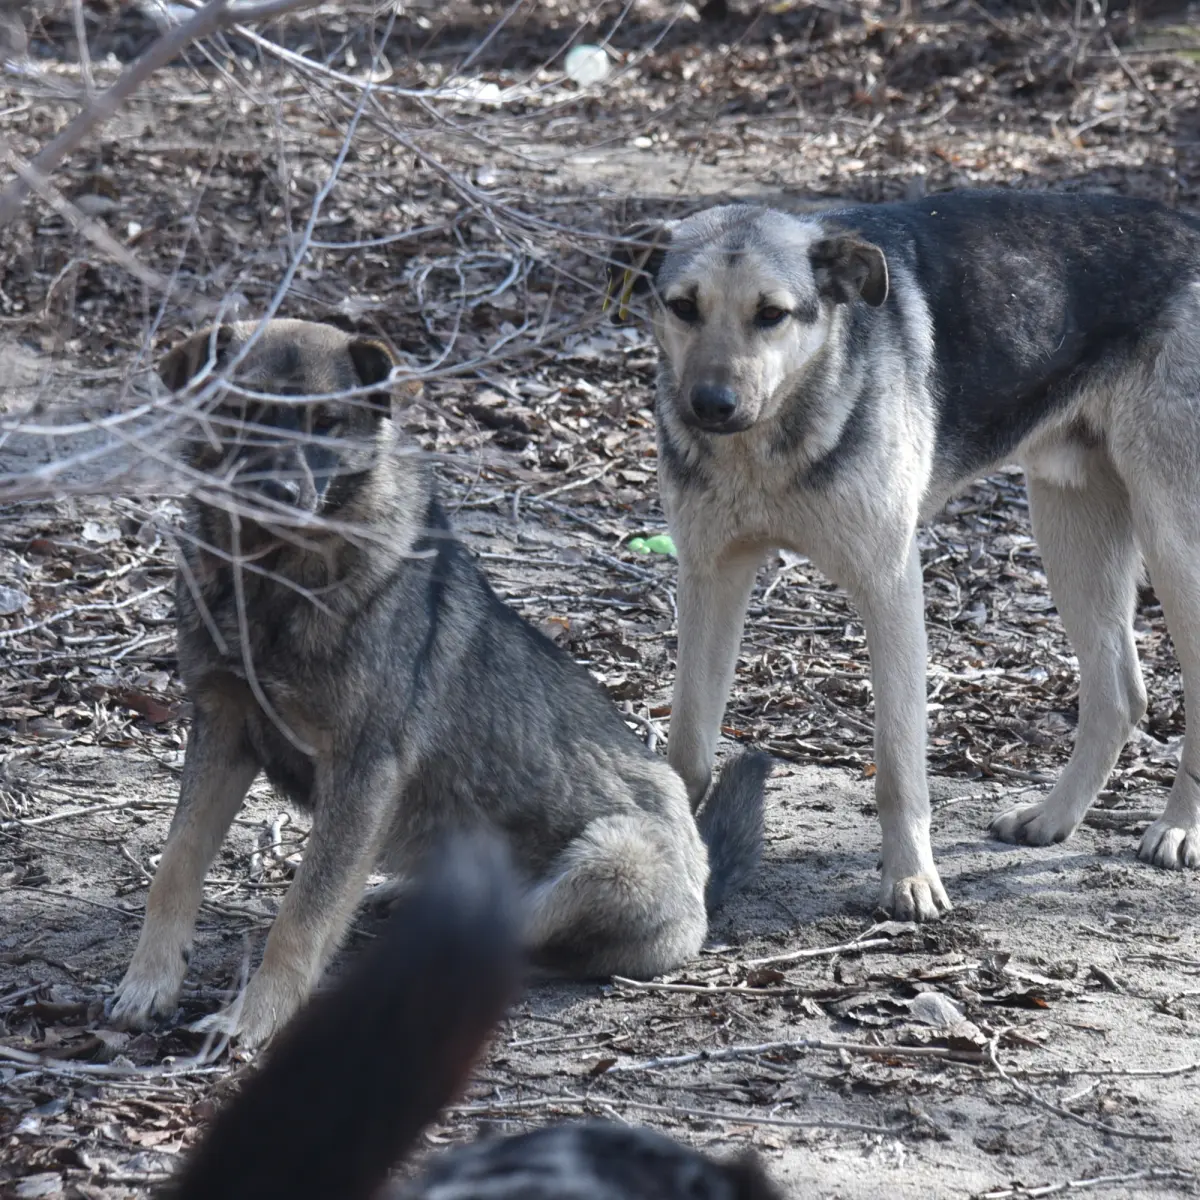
x=1044, y=1033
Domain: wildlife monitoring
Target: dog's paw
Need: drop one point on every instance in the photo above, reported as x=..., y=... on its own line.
x=915, y=897
x=150, y=990
x=267, y=1004
x=270, y=1001
x=1039, y=824
x=1172, y=846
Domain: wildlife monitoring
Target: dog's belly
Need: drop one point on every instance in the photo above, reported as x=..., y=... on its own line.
x=978, y=433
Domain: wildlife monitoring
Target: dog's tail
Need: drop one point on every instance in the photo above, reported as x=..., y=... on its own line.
x=350, y=1084
x=731, y=824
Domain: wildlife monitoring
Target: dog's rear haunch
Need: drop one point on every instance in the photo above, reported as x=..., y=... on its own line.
x=336, y=636
x=348, y=1087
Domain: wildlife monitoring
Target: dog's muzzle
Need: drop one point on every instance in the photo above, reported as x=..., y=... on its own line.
x=282, y=478
x=715, y=408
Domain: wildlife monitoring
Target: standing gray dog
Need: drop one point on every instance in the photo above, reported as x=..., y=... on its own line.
x=360, y=659
x=828, y=381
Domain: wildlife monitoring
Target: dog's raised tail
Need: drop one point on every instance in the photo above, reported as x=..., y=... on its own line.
x=731, y=824
x=351, y=1082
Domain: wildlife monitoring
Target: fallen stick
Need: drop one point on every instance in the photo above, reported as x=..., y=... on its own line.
x=1173, y=1174
x=732, y=1052
x=1060, y=1111
x=820, y=952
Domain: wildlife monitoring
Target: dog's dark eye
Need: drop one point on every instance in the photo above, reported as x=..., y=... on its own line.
x=684, y=309
x=769, y=316
x=324, y=424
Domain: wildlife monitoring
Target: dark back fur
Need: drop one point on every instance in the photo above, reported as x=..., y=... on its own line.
x=1029, y=292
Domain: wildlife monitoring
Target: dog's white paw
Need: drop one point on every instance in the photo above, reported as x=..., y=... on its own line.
x=1039, y=824
x=915, y=897
x=1166, y=844
x=150, y=989
x=269, y=1002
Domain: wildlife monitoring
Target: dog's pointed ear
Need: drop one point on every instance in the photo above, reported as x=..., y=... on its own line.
x=634, y=261
x=183, y=363
x=846, y=266
x=373, y=363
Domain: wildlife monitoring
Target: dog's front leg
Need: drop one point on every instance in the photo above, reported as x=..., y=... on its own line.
x=217, y=772
x=892, y=611
x=712, y=598
x=354, y=803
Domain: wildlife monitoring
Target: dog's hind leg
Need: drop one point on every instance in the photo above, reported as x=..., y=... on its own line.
x=621, y=901
x=712, y=599
x=893, y=617
x=217, y=772
x=1084, y=526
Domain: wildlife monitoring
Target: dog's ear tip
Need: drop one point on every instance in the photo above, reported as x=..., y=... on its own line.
x=170, y=368
x=634, y=262
x=181, y=363
x=372, y=358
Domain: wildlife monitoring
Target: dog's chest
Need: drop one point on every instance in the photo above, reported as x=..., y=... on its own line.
x=745, y=494
x=277, y=640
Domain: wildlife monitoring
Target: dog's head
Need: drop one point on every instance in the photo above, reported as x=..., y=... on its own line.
x=298, y=418
x=742, y=300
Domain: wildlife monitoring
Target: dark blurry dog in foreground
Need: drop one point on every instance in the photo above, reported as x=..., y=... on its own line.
x=335, y=635
x=348, y=1087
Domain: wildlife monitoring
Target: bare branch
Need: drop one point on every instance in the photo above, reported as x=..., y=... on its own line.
x=214, y=16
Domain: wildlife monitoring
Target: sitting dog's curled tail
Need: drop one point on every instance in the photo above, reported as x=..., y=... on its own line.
x=363, y=1068
x=731, y=824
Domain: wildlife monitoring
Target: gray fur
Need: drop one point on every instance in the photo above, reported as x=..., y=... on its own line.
x=594, y=1160
x=922, y=345
x=377, y=681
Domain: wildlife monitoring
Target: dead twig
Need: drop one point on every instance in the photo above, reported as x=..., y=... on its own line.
x=92, y=230
x=213, y=17
x=705, y=1114
x=821, y=952
x=498, y=1108
x=703, y=989
x=1160, y=1174
x=55, y=1066
x=1107, y=1072
x=1060, y=1111
x=726, y=1053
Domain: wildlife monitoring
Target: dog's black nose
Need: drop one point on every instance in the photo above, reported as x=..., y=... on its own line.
x=713, y=404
